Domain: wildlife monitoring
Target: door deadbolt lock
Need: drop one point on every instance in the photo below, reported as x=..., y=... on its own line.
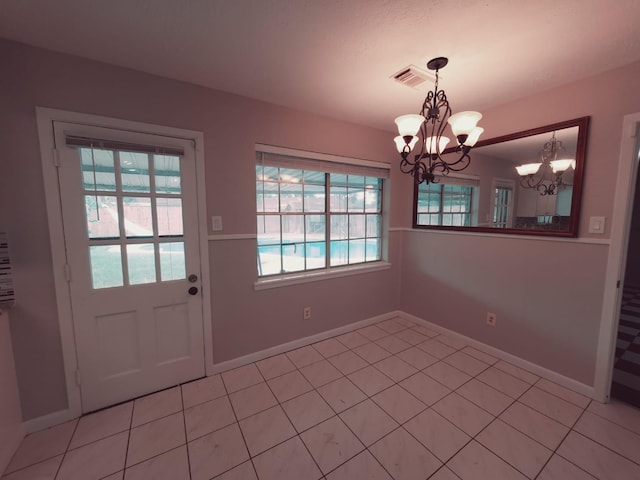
x=193, y=278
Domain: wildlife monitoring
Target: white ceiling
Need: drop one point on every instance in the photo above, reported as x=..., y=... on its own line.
x=335, y=57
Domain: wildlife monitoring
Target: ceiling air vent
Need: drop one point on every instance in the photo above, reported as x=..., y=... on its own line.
x=413, y=77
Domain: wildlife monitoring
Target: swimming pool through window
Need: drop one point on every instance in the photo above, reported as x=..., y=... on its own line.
x=314, y=214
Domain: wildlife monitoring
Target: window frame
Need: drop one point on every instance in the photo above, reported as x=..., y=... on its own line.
x=280, y=157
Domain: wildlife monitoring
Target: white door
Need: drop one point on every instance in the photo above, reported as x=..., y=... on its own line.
x=129, y=208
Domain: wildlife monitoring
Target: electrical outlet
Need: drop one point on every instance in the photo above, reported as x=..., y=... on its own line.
x=491, y=319
x=306, y=313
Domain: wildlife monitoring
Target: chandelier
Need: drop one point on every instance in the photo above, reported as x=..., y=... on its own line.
x=547, y=176
x=427, y=129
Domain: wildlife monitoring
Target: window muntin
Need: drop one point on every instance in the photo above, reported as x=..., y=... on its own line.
x=448, y=204
x=310, y=219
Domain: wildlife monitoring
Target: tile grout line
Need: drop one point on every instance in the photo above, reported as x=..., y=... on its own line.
x=367, y=397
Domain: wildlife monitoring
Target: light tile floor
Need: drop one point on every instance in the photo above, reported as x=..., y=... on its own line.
x=390, y=401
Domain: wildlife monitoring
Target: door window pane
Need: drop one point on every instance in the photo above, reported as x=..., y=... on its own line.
x=134, y=171
x=106, y=266
x=102, y=217
x=169, y=212
x=98, y=172
x=172, y=266
x=137, y=217
x=141, y=259
x=167, y=174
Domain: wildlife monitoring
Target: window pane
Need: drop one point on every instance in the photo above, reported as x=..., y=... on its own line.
x=373, y=226
x=315, y=228
x=314, y=198
x=317, y=178
x=339, y=252
x=338, y=180
x=141, y=259
x=292, y=229
x=137, y=217
x=355, y=181
x=339, y=199
x=268, y=230
x=106, y=266
x=268, y=174
x=357, y=226
x=290, y=197
x=372, y=200
x=339, y=227
x=172, y=266
x=167, y=172
x=169, y=211
x=269, y=260
x=290, y=175
x=293, y=257
x=104, y=173
x=373, y=182
x=374, y=249
x=267, y=197
x=134, y=172
x=315, y=255
x=102, y=216
x=356, y=200
x=357, y=251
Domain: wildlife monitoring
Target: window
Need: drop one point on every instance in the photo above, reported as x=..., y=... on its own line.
x=451, y=201
x=314, y=214
x=133, y=211
x=502, y=207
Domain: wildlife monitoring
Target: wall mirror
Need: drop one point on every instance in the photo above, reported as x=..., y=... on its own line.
x=541, y=197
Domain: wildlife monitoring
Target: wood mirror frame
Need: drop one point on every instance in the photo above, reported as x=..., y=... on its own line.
x=519, y=148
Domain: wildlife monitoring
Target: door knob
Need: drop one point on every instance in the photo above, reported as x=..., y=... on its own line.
x=193, y=290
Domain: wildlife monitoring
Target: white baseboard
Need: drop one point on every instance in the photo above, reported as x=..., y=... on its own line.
x=61, y=416
x=301, y=342
x=550, y=375
x=49, y=420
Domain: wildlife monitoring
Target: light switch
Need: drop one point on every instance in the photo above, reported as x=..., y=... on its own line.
x=216, y=223
x=596, y=224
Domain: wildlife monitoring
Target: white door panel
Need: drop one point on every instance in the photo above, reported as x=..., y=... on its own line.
x=132, y=239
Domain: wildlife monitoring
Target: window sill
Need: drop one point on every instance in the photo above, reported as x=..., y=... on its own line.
x=307, y=277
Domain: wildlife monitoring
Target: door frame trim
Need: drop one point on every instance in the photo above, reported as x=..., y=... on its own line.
x=45, y=118
x=620, y=225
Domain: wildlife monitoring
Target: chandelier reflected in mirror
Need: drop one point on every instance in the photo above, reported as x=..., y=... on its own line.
x=427, y=129
x=548, y=176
